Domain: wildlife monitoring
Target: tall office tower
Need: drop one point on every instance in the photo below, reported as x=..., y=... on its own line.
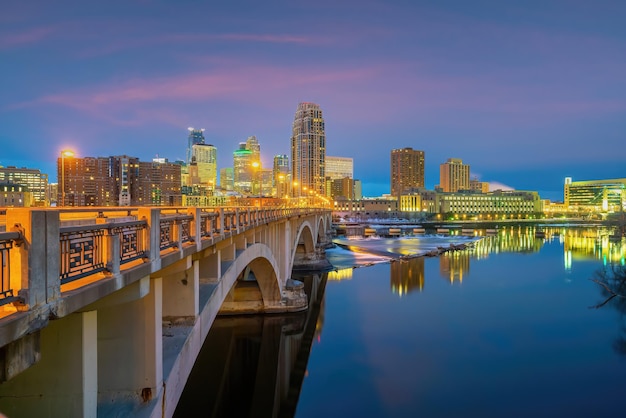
x=205, y=156
x=227, y=179
x=253, y=145
x=280, y=175
x=407, y=170
x=308, y=149
x=196, y=136
x=339, y=167
x=454, y=175
x=33, y=178
x=242, y=174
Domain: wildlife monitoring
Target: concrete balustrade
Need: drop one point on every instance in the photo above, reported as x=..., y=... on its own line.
x=151, y=269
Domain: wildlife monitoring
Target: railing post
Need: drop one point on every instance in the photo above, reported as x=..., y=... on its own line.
x=153, y=239
x=221, y=221
x=35, y=263
x=113, y=252
x=195, y=228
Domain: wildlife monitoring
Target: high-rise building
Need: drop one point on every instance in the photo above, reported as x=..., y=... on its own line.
x=253, y=145
x=339, y=167
x=280, y=175
x=407, y=170
x=242, y=174
x=35, y=181
x=227, y=179
x=454, y=175
x=196, y=136
x=308, y=149
x=120, y=181
x=205, y=157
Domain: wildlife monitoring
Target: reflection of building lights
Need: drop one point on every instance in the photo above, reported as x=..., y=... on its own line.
x=341, y=274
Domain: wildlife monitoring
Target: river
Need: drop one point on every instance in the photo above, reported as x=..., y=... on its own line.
x=506, y=327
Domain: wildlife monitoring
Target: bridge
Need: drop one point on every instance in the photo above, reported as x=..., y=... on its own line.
x=103, y=311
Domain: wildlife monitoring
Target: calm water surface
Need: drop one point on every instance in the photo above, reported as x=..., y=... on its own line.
x=503, y=329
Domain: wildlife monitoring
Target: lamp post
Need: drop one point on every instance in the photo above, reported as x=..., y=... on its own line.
x=69, y=154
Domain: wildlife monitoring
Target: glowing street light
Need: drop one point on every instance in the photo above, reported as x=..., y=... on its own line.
x=68, y=154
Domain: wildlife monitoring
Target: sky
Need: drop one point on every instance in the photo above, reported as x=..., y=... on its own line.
x=525, y=92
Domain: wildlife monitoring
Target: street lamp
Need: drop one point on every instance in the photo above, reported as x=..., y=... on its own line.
x=68, y=154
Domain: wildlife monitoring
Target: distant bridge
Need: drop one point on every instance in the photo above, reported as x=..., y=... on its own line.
x=104, y=310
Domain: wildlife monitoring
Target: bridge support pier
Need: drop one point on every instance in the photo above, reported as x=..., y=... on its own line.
x=66, y=377
x=130, y=352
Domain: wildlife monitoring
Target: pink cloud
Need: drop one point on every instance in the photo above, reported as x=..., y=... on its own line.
x=132, y=102
x=31, y=36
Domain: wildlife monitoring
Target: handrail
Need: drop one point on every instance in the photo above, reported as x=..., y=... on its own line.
x=7, y=241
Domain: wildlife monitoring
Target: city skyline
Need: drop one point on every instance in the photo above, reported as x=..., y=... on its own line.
x=525, y=94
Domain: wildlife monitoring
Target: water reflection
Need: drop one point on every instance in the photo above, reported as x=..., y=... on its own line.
x=254, y=365
x=587, y=243
x=611, y=281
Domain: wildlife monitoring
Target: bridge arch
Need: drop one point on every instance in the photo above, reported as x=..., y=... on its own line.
x=240, y=293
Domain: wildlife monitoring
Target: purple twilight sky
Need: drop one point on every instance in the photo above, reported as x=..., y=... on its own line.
x=525, y=92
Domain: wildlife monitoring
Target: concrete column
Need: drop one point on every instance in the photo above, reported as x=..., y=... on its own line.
x=287, y=250
x=221, y=221
x=130, y=348
x=35, y=263
x=65, y=381
x=210, y=267
x=181, y=286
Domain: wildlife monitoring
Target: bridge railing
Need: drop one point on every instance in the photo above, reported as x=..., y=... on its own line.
x=68, y=244
x=7, y=241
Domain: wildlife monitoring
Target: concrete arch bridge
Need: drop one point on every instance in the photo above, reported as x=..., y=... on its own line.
x=104, y=310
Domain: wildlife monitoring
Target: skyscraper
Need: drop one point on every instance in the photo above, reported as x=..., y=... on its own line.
x=280, y=175
x=196, y=136
x=308, y=149
x=454, y=175
x=339, y=167
x=205, y=156
x=242, y=175
x=407, y=170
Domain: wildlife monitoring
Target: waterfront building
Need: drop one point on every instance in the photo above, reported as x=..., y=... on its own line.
x=513, y=204
x=205, y=158
x=595, y=195
x=454, y=175
x=35, y=181
x=196, y=136
x=339, y=167
x=365, y=208
x=308, y=149
x=15, y=195
x=420, y=200
x=407, y=170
